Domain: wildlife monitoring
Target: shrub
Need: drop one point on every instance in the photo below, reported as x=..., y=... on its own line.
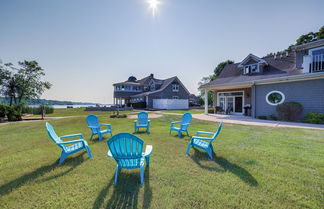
x=262, y=117
x=14, y=112
x=290, y=111
x=272, y=117
x=3, y=111
x=313, y=117
x=211, y=110
x=37, y=110
x=118, y=116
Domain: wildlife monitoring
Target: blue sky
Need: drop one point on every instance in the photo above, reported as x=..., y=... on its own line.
x=85, y=46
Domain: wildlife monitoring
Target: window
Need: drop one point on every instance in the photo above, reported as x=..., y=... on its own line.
x=175, y=87
x=275, y=98
x=175, y=97
x=252, y=68
x=246, y=70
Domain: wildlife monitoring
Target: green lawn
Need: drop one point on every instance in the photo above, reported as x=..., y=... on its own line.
x=254, y=167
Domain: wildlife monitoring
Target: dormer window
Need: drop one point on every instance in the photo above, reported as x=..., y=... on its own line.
x=252, y=64
x=253, y=68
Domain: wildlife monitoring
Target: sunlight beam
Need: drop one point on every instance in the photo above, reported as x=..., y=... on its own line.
x=153, y=4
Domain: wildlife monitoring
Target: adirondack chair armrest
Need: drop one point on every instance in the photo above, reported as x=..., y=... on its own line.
x=204, y=132
x=148, y=150
x=94, y=126
x=185, y=124
x=72, y=142
x=148, y=121
x=201, y=138
x=175, y=122
x=135, y=121
x=73, y=135
x=109, y=154
x=104, y=124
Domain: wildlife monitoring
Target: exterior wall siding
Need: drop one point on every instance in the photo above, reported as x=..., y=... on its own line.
x=308, y=93
x=299, y=58
x=124, y=94
x=167, y=93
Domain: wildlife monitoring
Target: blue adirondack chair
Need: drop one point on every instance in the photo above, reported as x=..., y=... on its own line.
x=184, y=124
x=127, y=149
x=142, y=122
x=75, y=145
x=204, y=143
x=94, y=125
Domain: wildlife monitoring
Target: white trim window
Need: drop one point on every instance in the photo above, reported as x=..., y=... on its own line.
x=175, y=97
x=175, y=87
x=275, y=98
x=252, y=68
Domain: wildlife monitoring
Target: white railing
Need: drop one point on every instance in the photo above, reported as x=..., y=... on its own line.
x=317, y=64
x=313, y=63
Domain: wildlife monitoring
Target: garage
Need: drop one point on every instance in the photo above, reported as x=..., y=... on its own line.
x=171, y=104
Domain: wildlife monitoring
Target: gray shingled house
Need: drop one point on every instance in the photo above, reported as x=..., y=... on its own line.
x=153, y=93
x=257, y=85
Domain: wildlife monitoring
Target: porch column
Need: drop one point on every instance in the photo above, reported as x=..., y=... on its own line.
x=214, y=101
x=206, y=102
x=253, y=101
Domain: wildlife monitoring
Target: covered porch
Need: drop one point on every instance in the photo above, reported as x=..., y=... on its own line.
x=231, y=100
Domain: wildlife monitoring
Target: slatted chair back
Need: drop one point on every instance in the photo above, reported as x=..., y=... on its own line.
x=217, y=132
x=142, y=118
x=92, y=121
x=186, y=118
x=53, y=135
x=126, y=149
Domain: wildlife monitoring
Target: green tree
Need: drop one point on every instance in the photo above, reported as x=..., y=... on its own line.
x=22, y=83
x=320, y=34
x=218, y=69
x=303, y=39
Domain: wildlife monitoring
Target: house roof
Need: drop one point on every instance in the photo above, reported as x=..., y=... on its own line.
x=143, y=81
x=165, y=83
x=252, y=56
x=281, y=66
x=309, y=45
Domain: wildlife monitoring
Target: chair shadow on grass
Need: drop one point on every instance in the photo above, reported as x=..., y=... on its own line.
x=125, y=192
x=225, y=165
x=71, y=162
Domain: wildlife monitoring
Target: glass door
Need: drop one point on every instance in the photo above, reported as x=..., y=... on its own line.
x=230, y=104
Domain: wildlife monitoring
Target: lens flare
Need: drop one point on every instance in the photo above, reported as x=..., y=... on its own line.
x=153, y=4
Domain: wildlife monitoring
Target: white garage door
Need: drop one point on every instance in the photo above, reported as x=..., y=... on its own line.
x=170, y=104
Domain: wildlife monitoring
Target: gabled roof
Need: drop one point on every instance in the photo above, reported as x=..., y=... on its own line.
x=253, y=57
x=165, y=83
x=281, y=66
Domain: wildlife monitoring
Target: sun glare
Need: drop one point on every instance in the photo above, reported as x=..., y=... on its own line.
x=153, y=5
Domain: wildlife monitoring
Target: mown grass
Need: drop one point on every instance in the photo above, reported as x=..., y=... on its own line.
x=254, y=167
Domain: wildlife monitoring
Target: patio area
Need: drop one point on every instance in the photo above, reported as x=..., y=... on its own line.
x=246, y=120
